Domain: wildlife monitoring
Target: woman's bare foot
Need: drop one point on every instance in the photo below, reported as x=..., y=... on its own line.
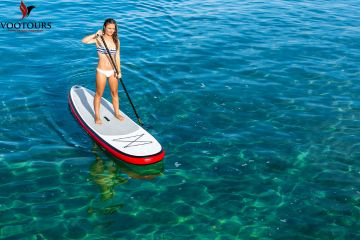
x=120, y=117
x=98, y=121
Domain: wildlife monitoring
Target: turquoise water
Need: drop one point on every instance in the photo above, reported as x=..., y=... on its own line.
x=256, y=105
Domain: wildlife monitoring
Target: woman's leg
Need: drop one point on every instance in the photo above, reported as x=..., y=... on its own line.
x=113, y=82
x=100, y=86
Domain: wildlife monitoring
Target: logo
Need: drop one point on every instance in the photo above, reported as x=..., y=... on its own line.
x=25, y=10
x=25, y=26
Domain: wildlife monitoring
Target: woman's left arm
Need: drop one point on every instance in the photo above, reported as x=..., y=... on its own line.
x=118, y=65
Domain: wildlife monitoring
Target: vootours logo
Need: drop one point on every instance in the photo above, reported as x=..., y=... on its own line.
x=25, y=26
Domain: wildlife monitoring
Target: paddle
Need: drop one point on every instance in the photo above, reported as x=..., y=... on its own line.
x=122, y=83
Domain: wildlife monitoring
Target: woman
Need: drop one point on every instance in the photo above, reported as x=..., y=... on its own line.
x=105, y=68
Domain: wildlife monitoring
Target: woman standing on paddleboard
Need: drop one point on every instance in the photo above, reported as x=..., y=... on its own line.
x=104, y=68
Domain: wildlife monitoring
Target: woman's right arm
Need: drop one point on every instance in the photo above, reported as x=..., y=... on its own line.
x=91, y=38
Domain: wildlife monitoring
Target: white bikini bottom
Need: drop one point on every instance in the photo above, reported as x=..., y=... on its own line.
x=107, y=73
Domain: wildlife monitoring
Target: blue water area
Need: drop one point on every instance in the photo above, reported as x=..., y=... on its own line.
x=256, y=104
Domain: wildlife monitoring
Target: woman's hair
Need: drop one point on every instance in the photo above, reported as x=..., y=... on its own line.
x=115, y=35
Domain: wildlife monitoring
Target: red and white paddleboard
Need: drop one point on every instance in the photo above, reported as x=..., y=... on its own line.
x=125, y=140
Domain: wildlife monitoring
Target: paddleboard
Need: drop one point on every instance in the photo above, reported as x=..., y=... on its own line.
x=125, y=140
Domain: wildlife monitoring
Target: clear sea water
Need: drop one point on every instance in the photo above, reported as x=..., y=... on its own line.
x=256, y=104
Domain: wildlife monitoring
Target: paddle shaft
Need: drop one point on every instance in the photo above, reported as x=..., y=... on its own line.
x=122, y=83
